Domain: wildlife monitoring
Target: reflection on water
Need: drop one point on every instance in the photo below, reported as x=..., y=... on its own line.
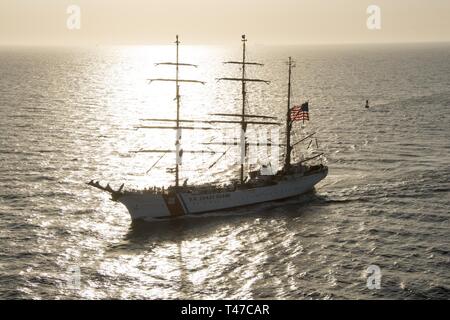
x=69, y=116
x=186, y=252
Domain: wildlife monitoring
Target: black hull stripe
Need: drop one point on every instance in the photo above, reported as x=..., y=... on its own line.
x=185, y=208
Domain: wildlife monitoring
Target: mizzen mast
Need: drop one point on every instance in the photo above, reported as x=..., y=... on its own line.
x=294, y=113
x=287, y=160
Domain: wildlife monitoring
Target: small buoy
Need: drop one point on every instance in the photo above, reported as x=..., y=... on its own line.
x=367, y=104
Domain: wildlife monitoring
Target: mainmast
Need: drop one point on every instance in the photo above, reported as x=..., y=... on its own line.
x=243, y=115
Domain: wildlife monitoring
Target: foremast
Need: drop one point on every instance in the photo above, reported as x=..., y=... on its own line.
x=178, y=150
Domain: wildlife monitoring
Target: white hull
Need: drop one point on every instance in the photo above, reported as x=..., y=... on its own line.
x=148, y=206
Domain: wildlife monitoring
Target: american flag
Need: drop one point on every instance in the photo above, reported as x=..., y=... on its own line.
x=300, y=112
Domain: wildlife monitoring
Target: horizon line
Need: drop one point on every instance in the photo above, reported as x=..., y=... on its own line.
x=344, y=43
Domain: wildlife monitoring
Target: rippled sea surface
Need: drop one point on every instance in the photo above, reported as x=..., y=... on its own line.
x=68, y=116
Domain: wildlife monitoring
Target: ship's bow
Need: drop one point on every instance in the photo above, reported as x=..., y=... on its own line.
x=145, y=206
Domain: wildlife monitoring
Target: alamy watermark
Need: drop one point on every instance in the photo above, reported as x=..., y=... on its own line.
x=374, y=19
x=73, y=21
x=373, y=273
x=73, y=277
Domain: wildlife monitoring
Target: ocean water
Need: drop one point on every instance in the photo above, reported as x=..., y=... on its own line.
x=68, y=115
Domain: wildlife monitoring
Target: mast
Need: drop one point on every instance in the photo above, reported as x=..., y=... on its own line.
x=243, y=115
x=287, y=162
x=178, y=137
x=177, y=120
x=178, y=124
x=243, y=124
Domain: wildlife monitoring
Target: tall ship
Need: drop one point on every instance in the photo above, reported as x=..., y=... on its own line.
x=251, y=186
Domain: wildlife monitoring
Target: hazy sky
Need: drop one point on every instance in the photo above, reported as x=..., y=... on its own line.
x=43, y=22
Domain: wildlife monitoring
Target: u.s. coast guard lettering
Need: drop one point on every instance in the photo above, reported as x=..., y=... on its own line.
x=210, y=197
